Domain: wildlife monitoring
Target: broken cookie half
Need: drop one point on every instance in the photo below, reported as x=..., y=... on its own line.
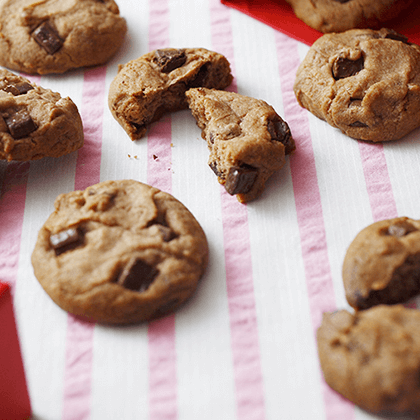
x=155, y=84
x=247, y=139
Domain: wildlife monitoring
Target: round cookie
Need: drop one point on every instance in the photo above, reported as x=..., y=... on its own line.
x=247, y=139
x=154, y=84
x=372, y=358
x=364, y=82
x=36, y=122
x=382, y=264
x=341, y=15
x=53, y=36
x=120, y=252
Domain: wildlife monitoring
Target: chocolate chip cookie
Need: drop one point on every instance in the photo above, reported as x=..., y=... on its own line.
x=364, y=82
x=154, y=84
x=120, y=252
x=372, y=358
x=247, y=139
x=53, y=36
x=382, y=264
x=341, y=15
x=36, y=122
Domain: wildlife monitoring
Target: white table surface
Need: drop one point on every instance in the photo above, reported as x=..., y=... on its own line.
x=244, y=346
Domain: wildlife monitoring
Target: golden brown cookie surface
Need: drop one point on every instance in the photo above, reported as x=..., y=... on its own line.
x=373, y=358
x=247, y=139
x=54, y=36
x=364, y=82
x=382, y=264
x=36, y=122
x=341, y=15
x=120, y=252
x=154, y=84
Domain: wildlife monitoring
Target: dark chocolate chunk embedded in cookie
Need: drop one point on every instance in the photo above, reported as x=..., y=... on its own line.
x=137, y=275
x=66, y=240
x=20, y=124
x=120, y=252
x=382, y=264
x=280, y=131
x=247, y=139
x=345, y=67
x=240, y=179
x=168, y=60
x=48, y=37
x=18, y=88
x=155, y=83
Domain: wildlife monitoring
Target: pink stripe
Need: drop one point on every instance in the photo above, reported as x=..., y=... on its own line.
x=242, y=312
x=79, y=340
x=159, y=155
x=158, y=24
x=381, y=197
x=249, y=384
x=78, y=369
x=89, y=156
x=163, y=403
x=162, y=369
x=12, y=209
x=309, y=211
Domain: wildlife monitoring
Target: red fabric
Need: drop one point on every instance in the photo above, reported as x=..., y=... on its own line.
x=14, y=398
x=279, y=15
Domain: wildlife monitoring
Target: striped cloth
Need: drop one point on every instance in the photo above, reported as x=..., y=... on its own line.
x=245, y=346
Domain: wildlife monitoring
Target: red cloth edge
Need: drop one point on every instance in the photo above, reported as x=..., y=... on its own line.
x=14, y=397
x=279, y=15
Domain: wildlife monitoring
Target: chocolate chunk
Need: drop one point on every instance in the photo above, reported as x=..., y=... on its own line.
x=18, y=89
x=280, y=131
x=214, y=168
x=358, y=124
x=169, y=60
x=401, y=229
x=342, y=1
x=404, y=284
x=344, y=67
x=20, y=124
x=240, y=179
x=391, y=34
x=166, y=232
x=137, y=275
x=200, y=77
x=46, y=36
x=66, y=240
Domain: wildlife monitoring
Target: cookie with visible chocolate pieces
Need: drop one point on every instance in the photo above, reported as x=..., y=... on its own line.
x=54, y=36
x=247, y=139
x=341, y=15
x=36, y=122
x=372, y=358
x=382, y=264
x=120, y=252
x=154, y=84
x=364, y=82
